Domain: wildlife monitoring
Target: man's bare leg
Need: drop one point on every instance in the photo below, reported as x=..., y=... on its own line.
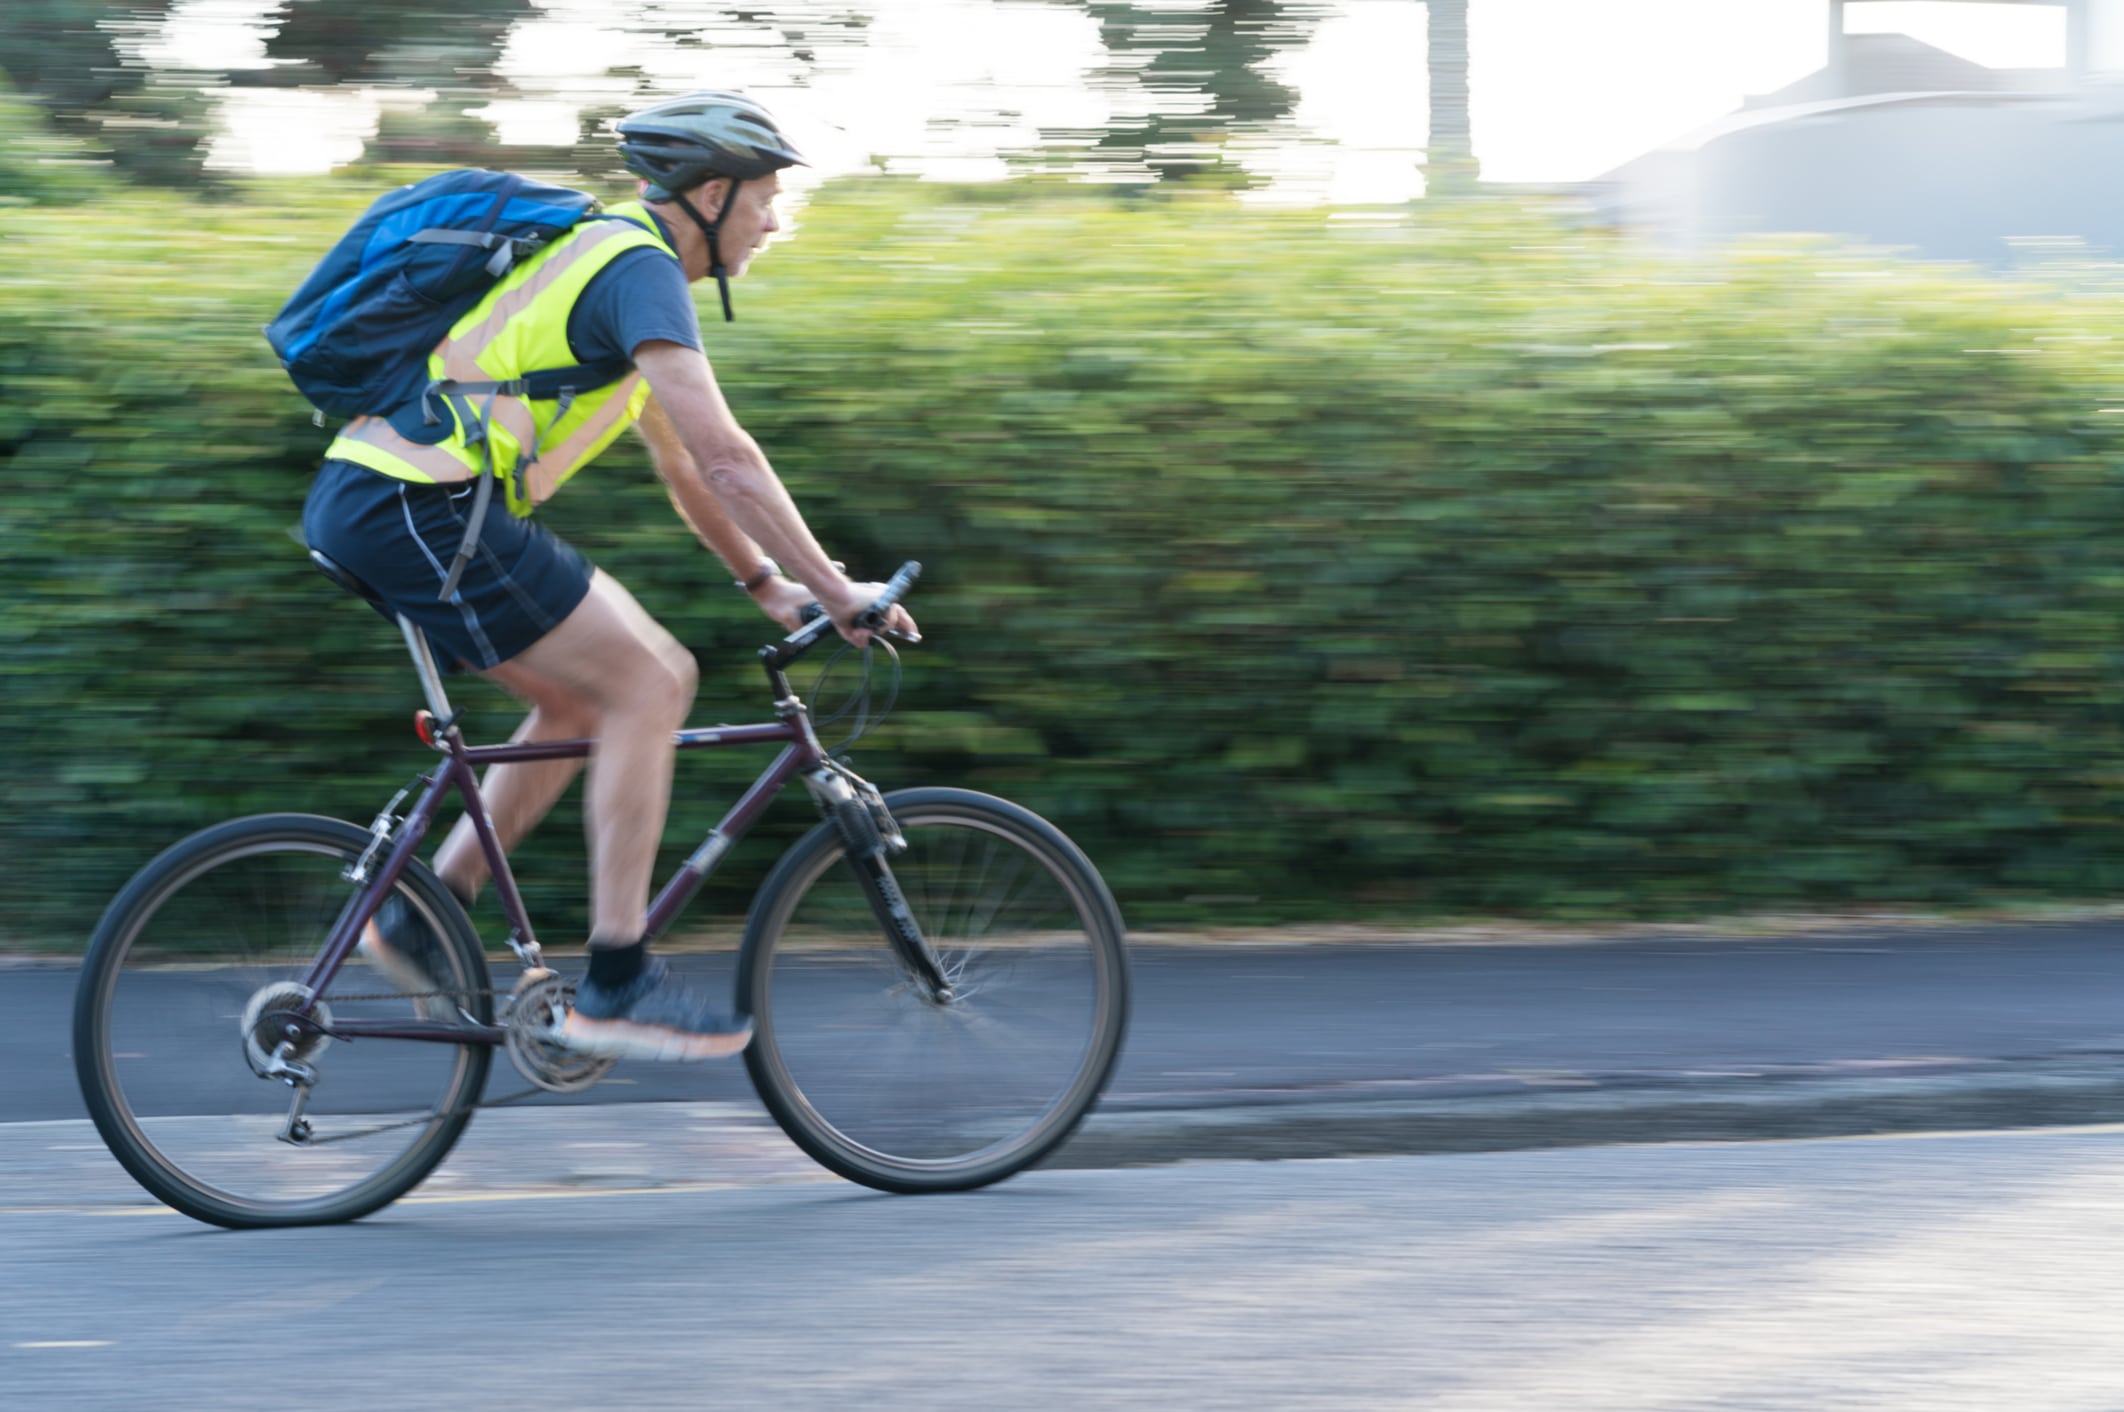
x=611, y=672
x=517, y=795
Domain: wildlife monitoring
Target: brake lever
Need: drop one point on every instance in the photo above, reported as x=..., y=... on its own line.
x=811, y=612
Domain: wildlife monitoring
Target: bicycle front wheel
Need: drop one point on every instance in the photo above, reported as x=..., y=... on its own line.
x=176, y=1013
x=891, y=1087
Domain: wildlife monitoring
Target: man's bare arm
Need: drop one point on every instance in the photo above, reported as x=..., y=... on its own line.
x=726, y=466
x=690, y=496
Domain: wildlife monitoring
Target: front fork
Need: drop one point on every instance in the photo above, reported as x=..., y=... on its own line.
x=871, y=837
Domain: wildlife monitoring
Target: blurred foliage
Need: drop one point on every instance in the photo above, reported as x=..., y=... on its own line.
x=1196, y=69
x=1186, y=78
x=450, y=48
x=37, y=164
x=451, y=44
x=1457, y=563
x=79, y=61
x=86, y=64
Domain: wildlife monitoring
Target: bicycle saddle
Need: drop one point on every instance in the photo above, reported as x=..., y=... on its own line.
x=344, y=577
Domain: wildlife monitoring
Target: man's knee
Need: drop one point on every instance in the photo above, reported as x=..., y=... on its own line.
x=687, y=670
x=669, y=681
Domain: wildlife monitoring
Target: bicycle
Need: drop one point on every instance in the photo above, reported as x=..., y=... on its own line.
x=938, y=981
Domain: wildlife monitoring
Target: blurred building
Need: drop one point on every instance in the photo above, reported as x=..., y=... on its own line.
x=1899, y=143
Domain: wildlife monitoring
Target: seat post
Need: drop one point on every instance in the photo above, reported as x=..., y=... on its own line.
x=424, y=663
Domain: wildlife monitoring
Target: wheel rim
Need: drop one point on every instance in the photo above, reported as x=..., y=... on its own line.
x=194, y=957
x=889, y=1080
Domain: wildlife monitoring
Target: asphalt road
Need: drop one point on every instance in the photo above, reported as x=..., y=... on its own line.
x=1318, y=1050
x=659, y=1244
x=1969, y=1272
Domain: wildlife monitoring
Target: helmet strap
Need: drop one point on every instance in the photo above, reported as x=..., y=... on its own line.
x=710, y=229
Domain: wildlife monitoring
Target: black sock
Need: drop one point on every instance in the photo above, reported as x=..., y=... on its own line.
x=616, y=965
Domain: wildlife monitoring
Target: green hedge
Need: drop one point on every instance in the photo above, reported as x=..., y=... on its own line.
x=1464, y=562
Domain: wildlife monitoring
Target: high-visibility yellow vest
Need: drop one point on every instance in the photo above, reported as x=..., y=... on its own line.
x=520, y=327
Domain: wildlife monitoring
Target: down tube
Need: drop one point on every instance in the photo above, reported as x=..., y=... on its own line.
x=696, y=869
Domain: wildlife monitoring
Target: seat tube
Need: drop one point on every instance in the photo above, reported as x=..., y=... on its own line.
x=424, y=663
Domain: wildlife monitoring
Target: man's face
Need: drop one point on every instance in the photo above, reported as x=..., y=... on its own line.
x=750, y=221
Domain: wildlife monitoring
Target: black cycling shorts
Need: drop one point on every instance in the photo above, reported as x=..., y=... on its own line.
x=400, y=536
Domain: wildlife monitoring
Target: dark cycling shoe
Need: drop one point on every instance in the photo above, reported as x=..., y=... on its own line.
x=399, y=942
x=650, y=1017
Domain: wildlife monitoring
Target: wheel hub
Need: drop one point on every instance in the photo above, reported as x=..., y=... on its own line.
x=271, y=1013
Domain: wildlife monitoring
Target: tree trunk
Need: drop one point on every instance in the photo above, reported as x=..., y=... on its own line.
x=1449, y=166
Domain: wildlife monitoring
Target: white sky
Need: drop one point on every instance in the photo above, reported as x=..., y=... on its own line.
x=1563, y=89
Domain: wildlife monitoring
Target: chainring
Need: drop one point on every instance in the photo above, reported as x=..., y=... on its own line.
x=538, y=1004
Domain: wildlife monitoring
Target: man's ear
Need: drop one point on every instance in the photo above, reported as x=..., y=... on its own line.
x=707, y=198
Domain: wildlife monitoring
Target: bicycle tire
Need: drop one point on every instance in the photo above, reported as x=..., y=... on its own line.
x=186, y=884
x=802, y=1066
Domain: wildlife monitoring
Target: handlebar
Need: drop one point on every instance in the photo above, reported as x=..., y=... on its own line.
x=817, y=624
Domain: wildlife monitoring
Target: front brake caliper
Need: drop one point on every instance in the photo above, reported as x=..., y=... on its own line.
x=881, y=817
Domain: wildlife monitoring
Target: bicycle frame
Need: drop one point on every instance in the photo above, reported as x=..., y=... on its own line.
x=802, y=755
x=458, y=775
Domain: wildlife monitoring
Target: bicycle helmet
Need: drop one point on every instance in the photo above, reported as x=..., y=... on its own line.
x=680, y=143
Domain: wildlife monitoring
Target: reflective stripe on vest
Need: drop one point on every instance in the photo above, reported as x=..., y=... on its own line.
x=520, y=327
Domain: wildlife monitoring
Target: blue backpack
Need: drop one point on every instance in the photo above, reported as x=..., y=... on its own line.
x=355, y=338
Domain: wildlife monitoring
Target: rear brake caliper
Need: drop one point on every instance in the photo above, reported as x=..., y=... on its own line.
x=381, y=828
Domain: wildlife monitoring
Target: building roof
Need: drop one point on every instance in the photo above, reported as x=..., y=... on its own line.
x=1896, y=63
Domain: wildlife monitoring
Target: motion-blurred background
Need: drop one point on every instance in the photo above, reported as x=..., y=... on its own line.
x=1375, y=461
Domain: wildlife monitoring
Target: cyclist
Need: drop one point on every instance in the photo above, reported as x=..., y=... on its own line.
x=530, y=613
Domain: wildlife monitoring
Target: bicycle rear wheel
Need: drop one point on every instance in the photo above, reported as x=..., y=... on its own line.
x=176, y=1003
x=900, y=1092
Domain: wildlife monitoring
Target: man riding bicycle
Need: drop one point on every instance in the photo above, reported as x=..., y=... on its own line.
x=529, y=613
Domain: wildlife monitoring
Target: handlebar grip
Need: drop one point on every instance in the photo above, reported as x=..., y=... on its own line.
x=872, y=617
x=895, y=588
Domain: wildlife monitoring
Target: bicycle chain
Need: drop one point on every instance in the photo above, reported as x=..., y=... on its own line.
x=335, y=997
x=315, y=1141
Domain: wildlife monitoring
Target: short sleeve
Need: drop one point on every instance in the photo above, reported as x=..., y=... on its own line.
x=641, y=296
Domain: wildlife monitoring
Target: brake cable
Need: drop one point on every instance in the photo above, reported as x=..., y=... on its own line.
x=858, y=701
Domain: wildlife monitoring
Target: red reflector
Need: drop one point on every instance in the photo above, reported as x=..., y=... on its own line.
x=424, y=727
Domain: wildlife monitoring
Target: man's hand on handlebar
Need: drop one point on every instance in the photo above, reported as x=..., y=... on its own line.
x=785, y=600
x=858, y=600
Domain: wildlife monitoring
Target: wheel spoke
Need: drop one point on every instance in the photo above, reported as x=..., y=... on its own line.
x=182, y=988
x=922, y=1094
